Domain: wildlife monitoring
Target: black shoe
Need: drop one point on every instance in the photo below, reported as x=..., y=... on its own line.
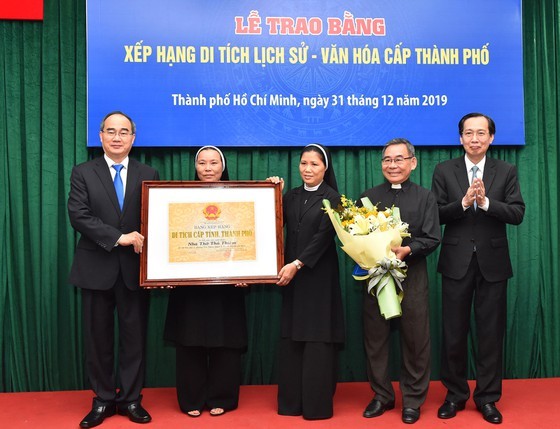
x=449, y=409
x=99, y=412
x=375, y=408
x=410, y=415
x=135, y=412
x=491, y=413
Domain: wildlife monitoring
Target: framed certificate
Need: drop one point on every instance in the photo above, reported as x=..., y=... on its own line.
x=211, y=233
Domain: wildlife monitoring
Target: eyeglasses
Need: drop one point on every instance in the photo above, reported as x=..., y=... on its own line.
x=122, y=134
x=479, y=134
x=399, y=160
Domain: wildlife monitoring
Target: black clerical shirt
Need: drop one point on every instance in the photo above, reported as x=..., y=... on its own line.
x=418, y=208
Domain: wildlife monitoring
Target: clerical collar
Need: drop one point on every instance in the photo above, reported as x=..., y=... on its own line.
x=400, y=186
x=311, y=188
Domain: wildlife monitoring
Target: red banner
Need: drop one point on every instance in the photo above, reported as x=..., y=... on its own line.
x=21, y=9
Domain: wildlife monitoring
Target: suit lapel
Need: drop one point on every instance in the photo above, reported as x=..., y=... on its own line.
x=461, y=175
x=489, y=174
x=102, y=171
x=132, y=177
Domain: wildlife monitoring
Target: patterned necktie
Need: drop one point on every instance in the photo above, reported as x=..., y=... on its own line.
x=474, y=171
x=119, y=188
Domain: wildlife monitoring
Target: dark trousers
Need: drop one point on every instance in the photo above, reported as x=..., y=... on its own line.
x=414, y=330
x=307, y=379
x=208, y=377
x=98, y=311
x=490, y=303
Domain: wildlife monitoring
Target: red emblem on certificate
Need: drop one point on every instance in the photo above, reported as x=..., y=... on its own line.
x=211, y=212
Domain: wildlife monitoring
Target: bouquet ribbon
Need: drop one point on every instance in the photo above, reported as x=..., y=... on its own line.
x=384, y=280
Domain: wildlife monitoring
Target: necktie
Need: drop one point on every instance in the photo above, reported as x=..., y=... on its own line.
x=119, y=184
x=474, y=171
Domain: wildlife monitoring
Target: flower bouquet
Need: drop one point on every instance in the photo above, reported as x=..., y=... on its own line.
x=368, y=235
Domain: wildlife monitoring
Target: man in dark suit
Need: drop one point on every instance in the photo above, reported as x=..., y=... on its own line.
x=104, y=207
x=477, y=196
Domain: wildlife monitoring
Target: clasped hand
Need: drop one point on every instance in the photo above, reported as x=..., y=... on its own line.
x=476, y=192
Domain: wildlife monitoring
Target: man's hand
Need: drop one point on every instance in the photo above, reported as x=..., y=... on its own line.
x=133, y=238
x=480, y=192
x=402, y=252
x=476, y=192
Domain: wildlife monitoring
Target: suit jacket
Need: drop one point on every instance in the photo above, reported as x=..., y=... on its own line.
x=312, y=301
x=485, y=230
x=95, y=213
